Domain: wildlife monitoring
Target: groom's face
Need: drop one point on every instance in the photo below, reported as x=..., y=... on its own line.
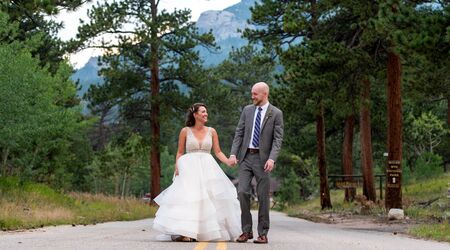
x=258, y=96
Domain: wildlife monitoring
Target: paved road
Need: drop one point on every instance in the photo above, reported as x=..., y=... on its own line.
x=286, y=233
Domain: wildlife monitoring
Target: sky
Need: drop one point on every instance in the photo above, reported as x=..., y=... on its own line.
x=71, y=21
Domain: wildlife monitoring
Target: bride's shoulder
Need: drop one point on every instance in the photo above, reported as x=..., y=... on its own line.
x=212, y=130
x=184, y=130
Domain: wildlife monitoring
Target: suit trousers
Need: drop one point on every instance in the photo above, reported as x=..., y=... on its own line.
x=249, y=167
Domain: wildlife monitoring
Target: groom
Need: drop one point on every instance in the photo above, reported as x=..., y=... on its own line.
x=256, y=144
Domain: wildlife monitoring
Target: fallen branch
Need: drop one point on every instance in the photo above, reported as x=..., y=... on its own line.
x=427, y=203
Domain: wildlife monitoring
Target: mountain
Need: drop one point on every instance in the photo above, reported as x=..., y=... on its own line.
x=87, y=75
x=224, y=25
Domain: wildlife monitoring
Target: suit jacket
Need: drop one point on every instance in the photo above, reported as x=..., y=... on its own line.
x=270, y=138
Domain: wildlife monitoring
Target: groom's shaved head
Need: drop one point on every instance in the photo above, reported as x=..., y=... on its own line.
x=260, y=93
x=261, y=87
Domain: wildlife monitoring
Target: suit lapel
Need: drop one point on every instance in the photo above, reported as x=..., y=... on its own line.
x=250, y=116
x=267, y=116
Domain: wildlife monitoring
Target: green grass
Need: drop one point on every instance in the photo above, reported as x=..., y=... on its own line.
x=433, y=218
x=31, y=205
x=439, y=231
x=434, y=192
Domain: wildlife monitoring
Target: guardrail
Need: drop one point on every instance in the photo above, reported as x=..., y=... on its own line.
x=340, y=181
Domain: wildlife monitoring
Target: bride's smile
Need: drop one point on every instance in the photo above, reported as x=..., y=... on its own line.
x=202, y=115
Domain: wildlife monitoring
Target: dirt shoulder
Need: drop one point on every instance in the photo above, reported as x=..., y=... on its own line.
x=378, y=223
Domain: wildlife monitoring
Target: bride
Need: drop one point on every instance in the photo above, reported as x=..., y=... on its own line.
x=201, y=204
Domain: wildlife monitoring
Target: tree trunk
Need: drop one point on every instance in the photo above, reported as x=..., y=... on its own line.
x=347, y=155
x=102, y=139
x=155, y=160
x=4, y=167
x=366, y=144
x=447, y=156
x=124, y=183
x=394, y=168
x=95, y=186
x=325, y=200
x=448, y=112
x=117, y=186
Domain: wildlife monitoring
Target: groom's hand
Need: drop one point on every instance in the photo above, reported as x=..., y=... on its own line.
x=268, y=167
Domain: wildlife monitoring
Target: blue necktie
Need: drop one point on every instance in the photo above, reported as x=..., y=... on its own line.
x=257, y=130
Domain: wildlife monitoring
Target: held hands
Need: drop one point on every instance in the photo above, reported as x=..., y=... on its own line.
x=268, y=167
x=232, y=161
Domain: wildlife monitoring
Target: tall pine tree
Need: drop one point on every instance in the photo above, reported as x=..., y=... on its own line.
x=150, y=62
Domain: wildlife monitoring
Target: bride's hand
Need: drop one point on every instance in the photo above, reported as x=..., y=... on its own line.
x=232, y=161
x=229, y=163
x=176, y=171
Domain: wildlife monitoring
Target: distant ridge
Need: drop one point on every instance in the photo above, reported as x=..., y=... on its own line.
x=224, y=24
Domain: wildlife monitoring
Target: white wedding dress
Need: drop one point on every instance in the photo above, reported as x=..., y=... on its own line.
x=202, y=202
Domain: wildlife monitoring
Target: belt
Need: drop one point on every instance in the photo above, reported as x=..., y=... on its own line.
x=253, y=151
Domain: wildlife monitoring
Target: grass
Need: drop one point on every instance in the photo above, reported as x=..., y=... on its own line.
x=33, y=205
x=312, y=208
x=439, y=231
x=424, y=202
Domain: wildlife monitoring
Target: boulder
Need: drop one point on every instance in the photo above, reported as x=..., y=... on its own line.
x=396, y=214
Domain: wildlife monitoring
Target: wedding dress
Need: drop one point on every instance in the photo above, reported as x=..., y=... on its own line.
x=202, y=202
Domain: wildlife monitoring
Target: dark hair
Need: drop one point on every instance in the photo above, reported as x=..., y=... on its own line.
x=190, y=120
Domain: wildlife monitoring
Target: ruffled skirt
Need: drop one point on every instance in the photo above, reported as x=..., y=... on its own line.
x=201, y=203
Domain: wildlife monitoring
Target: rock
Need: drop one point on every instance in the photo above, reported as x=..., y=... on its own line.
x=396, y=214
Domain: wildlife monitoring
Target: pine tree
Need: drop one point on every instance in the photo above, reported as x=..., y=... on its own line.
x=149, y=56
x=33, y=18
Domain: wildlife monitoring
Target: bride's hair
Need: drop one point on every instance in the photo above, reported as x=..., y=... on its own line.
x=190, y=120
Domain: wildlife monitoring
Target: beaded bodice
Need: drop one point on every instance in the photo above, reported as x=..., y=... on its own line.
x=195, y=145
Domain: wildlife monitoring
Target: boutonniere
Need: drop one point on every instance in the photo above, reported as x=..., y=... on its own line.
x=268, y=115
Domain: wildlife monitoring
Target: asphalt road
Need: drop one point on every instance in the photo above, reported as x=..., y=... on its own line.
x=286, y=233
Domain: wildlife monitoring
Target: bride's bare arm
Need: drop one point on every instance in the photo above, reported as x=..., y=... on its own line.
x=181, y=145
x=216, y=147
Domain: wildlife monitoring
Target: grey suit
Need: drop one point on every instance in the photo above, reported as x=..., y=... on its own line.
x=250, y=165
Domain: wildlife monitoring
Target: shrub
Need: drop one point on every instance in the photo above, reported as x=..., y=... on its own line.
x=428, y=165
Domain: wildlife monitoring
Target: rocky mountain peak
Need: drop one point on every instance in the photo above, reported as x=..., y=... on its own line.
x=224, y=24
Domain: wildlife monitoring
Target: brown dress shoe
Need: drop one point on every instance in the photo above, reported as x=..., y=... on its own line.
x=244, y=237
x=261, y=240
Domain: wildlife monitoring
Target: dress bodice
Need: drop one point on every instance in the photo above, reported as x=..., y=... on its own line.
x=195, y=145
